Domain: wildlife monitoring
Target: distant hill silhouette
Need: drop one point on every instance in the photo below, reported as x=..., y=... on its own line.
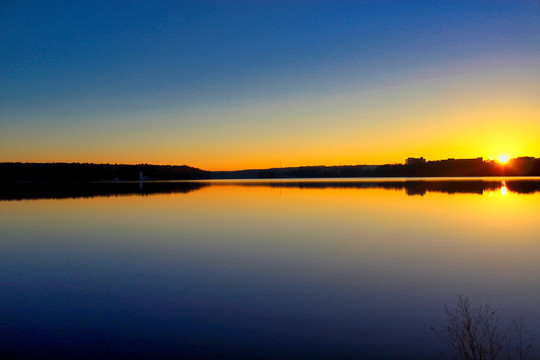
x=522, y=166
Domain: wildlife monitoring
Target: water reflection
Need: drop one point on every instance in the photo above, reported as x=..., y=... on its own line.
x=287, y=269
x=22, y=191
x=504, y=188
x=28, y=191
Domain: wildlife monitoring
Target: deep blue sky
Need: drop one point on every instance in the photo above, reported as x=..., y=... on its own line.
x=93, y=63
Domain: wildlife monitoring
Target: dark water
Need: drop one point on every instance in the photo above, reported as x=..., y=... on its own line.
x=259, y=269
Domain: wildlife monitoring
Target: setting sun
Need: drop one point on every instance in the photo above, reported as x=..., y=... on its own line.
x=504, y=158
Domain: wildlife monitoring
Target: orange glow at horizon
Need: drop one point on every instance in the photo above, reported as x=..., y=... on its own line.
x=462, y=113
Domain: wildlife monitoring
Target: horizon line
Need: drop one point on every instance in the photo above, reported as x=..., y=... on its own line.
x=415, y=160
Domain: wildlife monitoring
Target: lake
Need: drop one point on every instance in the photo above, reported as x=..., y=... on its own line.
x=342, y=268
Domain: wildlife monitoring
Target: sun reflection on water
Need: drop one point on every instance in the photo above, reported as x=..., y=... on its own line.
x=504, y=189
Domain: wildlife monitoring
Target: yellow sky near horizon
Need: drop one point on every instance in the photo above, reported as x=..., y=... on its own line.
x=464, y=113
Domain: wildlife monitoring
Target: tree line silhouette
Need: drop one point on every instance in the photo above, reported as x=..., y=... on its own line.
x=80, y=172
x=522, y=166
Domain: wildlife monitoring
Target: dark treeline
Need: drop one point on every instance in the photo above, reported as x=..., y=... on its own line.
x=523, y=166
x=55, y=190
x=82, y=172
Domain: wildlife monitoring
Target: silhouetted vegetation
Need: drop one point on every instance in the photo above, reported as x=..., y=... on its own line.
x=77, y=172
x=523, y=166
x=80, y=172
x=478, y=334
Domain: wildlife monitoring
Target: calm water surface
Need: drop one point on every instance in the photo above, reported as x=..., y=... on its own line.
x=261, y=269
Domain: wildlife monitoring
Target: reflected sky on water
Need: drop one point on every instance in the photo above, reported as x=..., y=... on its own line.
x=261, y=269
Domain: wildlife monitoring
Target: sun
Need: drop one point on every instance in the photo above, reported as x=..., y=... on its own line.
x=504, y=158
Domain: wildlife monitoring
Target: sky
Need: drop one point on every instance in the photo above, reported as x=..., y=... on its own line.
x=225, y=85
